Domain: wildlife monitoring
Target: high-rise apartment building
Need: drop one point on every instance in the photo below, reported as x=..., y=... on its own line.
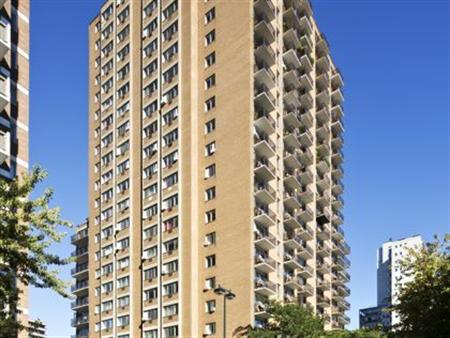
x=215, y=132
x=36, y=329
x=390, y=278
x=14, y=84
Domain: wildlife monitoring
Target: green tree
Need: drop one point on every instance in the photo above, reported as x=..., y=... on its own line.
x=28, y=227
x=424, y=302
x=286, y=320
x=362, y=333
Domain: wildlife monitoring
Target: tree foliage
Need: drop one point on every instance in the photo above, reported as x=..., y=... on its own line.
x=28, y=227
x=424, y=302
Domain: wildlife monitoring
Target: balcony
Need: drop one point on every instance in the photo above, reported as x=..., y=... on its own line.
x=265, y=264
x=265, y=287
x=305, y=138
x=341, y=262
x=307, y=118
x=323, y=132
x=306, y=271
x=264, y=193
x=323, y=267
x=338, y=218
x=264, y=77
x=80, y=235
x=79, y=286
x=302, y=6
x=307, y=100
x=323, y=231
x=291, y=281
x=323, y=182
x=291, y=119
x=306, y=63
x=292, y=261
x=336, y=96
x=337, y=157
x=79, y=303
x=265, y=170
x=80, y=251
x=291, y=139
x=79, y=269
x=291, y=200
x=305, y=232
x=338, y=187
x=336, y=79
x=290, y=39
x=264, y=31
x=292, y=180
x=82, y=320
x=264, y=146
x=264, y=100
x=291, y=59
x=264, y=239
x=291, y=98
x=5, y=38
x=291, y=79
x=264, y=53
x=292, y=220
x=4, y=91
x=305, y=290
x=305, y=156
x=337, y=143
x=306, y=195
x=264, y=216
x=337, y=127
x=323, y=249
x=305, y=251
x=306, y=82
x=323, y=97
x=323, y=64
x=323, y=80
x=336, y=111
x=264, y=8
x=337, y=232
x=322, y=46
x=265, y=122
x=323, y=150
x=4, y=146
x=323, y=301
x=337, y=173
x=292, y=240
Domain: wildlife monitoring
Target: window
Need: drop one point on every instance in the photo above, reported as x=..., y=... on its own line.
x=151, y=48
x=106, y=159
x=107, y=31
x=210, y=193
x=170, y=160
x=210, y=59
x=170, y=180
x=123, y=244
x=151, y=149
x=171, y=331
x=210, y=103
x=210, y=239
x=210, y=37
x=169, y=74
x=210, y=81
x=151, y=232
x=170, y=52
x=123, y=205
x=122, y=148
x=151, y=334
x=151, y=170
x=123, y=301
x=123, y=15
x=151, y=294
x=170, y=310
x=151, y=88
x=170, y=31
x=151, y=190
x=151, y=252
x=107, y=67
x=107, y=214
x=123, y=282
x=106, y=269
x=210, y=306
x=124, y=90
x=171, y=245
x=107, y=324
x=150, y=28
x=148, y=10
x=169, y=10
x=170, y=138
x=123, y=320
x=210, y=329
x=210, y=261
x=123, y=53
x=151, y=314
x=123, y=34
x=106, y=86
x=107, y=122
x=122, y=167
x=123, y=109
x=210, y=283
x=170, y=267
x=170, y=289
x=150, y=129
x=210, y=171
x=107, y=195
x=170, y=116
x=107, y=12
x=106, y=232
x=123, y=129
x=123, y=72
x=151, y=273
x=107, y=287
x=210, y=126
x=170, y=95
x=170, y=202
x=210, y=216
x=123, y=186
x=107, y=103
x=210, y=149
x=210, y=15
x=150, y=68
x=150, y=109
x=170, y=224
x=106, y=177
x=123, y=263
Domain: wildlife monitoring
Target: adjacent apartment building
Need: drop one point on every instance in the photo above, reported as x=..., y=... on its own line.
x=14, y=84
x=36, y=329
x=215, y=158
x=390, y=278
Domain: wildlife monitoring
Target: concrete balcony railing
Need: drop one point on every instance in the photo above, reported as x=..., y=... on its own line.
x=265, y=287
x=264, y=239
x=82, y=250
x=79, y=269
x=265, y=122
x=265, y=193
x=80, y=302
x=264, y=146
x=4, y=91
x=82, y=234
x=79, y=286
x=265, y=169
x=264, y=263
x=264, y=8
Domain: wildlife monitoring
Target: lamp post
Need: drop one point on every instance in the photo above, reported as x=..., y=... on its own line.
x=227, y=295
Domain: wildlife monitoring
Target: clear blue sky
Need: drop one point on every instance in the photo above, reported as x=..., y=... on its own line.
x=395, y=59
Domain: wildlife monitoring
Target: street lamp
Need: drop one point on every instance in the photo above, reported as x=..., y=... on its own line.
x=227, y=295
